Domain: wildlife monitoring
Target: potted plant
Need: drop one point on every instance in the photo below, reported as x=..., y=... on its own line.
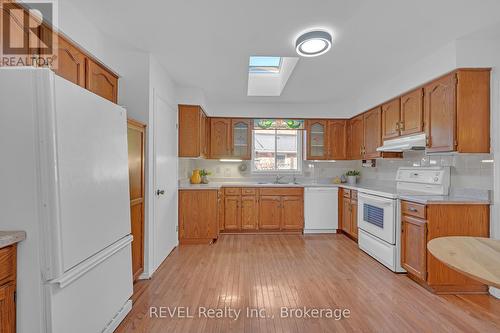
x=352, y=176
x=204, y=176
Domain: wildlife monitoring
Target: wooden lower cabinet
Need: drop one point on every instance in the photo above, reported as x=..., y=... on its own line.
x=292, y=216
x=8, y=289
x=414, y=246
x=420, y=224
x=269, y=212
x=348, y=213
x=232, y=213
x=198, y=223
x=249, y=212
x=262, y=210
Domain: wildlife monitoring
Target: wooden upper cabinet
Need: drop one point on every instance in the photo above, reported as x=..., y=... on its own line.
x=391, y=119
x=69, y=60
x=440, y=113
x=412, y=112
x=413, y=246
x=249, y=212
x=473, y=111
x=193, y=131
x=269, y=212
x=317, y=139
x=100, y=81
x=220, y=137
x=372, y=133
x=337, y=134
x=241, y=138
x=356, y=136
x=292, y=215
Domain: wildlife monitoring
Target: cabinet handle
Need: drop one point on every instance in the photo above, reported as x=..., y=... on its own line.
x=401, y=126
x=412, y=209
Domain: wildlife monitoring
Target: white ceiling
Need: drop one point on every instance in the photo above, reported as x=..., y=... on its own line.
x=206, y=43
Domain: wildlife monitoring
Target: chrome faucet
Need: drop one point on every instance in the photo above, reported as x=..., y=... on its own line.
x=278, y=178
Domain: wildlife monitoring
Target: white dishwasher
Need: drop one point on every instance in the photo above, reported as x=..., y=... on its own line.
x=321, y=209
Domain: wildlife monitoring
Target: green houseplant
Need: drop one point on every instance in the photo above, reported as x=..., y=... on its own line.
x=204, y=176
x=352, y=176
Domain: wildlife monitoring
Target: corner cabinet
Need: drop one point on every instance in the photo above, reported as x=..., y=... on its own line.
x=457, y=112
x=337, y=134
x=372, y=133
x=356, y=137
x=193, y=132
x=198, y=216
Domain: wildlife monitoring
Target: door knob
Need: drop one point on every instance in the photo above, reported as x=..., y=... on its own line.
x=160, y=192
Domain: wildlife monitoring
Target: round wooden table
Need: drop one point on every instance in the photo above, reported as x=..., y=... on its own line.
x=476, y=257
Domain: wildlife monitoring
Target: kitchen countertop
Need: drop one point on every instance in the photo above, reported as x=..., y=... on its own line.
x=11, y=237
x=386, y=188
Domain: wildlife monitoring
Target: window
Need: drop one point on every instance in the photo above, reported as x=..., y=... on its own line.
x=262, y=65
x=277, y=150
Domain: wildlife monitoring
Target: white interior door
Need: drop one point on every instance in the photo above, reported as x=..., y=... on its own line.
x=165, y=180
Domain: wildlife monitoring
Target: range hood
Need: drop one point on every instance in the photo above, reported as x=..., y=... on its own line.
x=412, y=142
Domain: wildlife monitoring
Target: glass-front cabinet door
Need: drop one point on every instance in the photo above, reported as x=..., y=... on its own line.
x=242, y=138
x=317, y=140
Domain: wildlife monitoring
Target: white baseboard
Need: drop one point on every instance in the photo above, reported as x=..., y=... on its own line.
x=145, y=276
x=495, y=292
x=119, y=317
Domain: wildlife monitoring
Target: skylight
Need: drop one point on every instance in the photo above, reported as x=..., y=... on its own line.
x=259, y=64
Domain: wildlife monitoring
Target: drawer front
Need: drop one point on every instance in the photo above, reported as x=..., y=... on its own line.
x=281, y=191
x=413, y=209
x=346, y=192
x=248, y=191
x=7, y=263
x=232, y=191
x=354, y=195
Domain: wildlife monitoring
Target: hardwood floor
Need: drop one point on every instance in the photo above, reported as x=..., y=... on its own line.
x=294, y=271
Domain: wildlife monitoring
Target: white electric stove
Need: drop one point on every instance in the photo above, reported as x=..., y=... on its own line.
x=379, y=213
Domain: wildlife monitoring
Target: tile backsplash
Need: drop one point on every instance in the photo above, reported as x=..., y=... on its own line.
x=467, y=170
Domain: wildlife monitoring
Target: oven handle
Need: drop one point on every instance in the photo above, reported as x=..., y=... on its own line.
x=367, y=198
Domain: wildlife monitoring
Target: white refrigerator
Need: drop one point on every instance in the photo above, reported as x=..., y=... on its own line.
x=64, y=180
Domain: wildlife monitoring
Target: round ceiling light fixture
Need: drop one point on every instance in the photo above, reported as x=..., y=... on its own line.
x=313, y=43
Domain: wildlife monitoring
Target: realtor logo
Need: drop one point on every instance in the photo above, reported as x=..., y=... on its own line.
x=26, y=38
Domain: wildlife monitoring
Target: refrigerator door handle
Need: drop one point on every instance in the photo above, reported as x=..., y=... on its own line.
x=81, y=269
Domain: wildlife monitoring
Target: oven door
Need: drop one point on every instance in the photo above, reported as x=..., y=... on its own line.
x=377, y=216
